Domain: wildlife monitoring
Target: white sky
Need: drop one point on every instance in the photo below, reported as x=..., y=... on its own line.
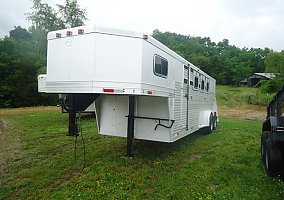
x=250, y=23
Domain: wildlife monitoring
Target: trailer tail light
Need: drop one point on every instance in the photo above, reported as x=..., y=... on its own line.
x=149, y=92
x=108, y=90
x=80, y=31
x=69, y=33
x=58, y=35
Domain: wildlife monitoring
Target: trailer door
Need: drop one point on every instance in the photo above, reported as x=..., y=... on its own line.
x=185, y=98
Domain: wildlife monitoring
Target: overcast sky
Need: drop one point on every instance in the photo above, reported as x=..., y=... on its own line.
x=250, y=23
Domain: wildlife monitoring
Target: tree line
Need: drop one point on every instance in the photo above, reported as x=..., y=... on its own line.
x=226, y=63
x=23, y=55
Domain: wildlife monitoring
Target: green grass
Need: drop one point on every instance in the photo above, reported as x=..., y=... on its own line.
x=241, y=96
x=223, y=165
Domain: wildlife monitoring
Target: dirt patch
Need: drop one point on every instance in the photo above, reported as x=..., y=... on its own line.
x=194, y=157
x=9, y=145
x=29, y=109
x=253, y=113
x=3, y=125
x=3, y=129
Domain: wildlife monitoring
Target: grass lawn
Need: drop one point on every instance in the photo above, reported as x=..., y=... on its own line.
x=38, y=163
x=241, y=96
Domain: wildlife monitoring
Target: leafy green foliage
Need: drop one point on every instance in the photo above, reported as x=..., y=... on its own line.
x=274, y=62
x=226, y=63
x=19, y=64
x=44, y=17
x=23, y=54
x=71, y=13
x=20, y=34
x=230, y=96
x=273, y=85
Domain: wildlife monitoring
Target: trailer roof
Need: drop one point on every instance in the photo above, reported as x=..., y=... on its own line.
x=76, y=31
x=93, y=29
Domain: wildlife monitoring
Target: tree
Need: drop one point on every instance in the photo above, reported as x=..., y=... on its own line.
x=44, y=17
x=16, y=76
x=226, y=63
x=274, y=62
x=71, y=14
x=23, y=54
x=19, y=33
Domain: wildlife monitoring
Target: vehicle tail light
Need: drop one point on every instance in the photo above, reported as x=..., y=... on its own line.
x=58, y=35
x=80, y=31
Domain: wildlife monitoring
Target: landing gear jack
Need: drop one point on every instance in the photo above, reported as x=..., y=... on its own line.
x=72, y=128
x=130, y=126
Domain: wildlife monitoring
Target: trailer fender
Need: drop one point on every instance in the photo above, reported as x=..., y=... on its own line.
x=269, y=123
x=205, y=118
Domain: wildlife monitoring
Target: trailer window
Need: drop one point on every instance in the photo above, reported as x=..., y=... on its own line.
x=202, y=85
x=160, y=66
x=207, y=86
x=196, y=82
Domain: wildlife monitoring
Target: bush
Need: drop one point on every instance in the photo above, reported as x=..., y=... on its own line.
x=241, y=96
x=271, y=86
x=258, y=99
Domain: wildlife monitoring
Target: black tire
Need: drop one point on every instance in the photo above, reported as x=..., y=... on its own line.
x=210, y=128
x=273, y=157
x=263, y=145
x=214, y=122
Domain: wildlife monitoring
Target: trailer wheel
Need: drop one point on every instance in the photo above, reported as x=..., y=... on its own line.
x=272, y=157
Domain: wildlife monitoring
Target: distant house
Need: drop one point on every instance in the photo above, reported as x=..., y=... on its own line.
x=253, y=79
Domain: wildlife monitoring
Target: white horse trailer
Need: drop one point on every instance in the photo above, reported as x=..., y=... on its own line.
x=140, y=88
